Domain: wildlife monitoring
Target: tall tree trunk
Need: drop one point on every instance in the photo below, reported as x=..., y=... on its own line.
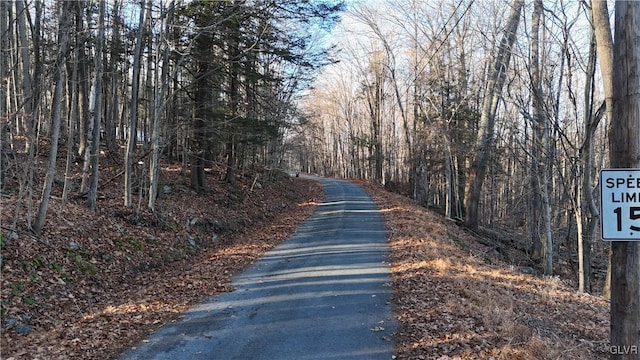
x=132, y=137
x=95, y=112
x=111, y=115
x=36, y=50
x=604, y=49
x=234, y=95
x=59, y=81
x=149, y=90
x=27, y=125
x=625, y=153
x=73, y=121
x=374, y=97
x=86, y=143
x=158, y=108
x=484, y=141
x=542, y=127
x=201, y=104
x=83, y=84
x=588, y=208
x=27, y=82
x=539, y=174
x=4, y=74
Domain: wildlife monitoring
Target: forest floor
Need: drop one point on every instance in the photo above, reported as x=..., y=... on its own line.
x=94, y=284
x=459, y=299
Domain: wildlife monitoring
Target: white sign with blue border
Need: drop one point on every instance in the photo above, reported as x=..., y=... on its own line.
x=620, y=204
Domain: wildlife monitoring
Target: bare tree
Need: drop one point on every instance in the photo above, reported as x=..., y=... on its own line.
x=602, y=28
x=64, y=27
x=75, y=122
x=586, y=211
x=624, y=153
x=27, y=79
x=485, y=138
x=25, y=74
x=114, y=79
x=374, y=94
x=132, y=137
x=159, y=105
x=4, y=82
x=92, y=155
x=542, y=244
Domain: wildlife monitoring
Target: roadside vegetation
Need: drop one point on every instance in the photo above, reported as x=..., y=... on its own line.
x=457, y=298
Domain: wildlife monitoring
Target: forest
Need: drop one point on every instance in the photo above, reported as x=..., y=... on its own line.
x=209, y=82
x=510, y=94
x=135, y=135
x=497, y=113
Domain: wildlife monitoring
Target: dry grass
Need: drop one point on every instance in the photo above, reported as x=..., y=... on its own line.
x=456, y=299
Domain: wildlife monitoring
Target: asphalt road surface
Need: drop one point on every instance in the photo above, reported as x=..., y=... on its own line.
x=324, y=293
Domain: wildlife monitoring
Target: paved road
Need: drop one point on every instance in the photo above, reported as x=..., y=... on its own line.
x=325, y=293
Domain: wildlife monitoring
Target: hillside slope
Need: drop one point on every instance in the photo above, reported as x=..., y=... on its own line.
x=96, y=283
x=458, y=299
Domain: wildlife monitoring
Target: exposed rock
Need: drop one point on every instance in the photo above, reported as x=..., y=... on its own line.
x=191, y=241
x=10, y=321
x=23, y=329
x=526, y=270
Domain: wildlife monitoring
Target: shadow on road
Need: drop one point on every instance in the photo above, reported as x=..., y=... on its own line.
x=325, y=293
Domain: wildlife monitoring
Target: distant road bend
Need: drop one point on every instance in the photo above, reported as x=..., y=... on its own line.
x=324, y=293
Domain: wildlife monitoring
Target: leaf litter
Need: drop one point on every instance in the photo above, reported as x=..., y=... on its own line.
x=457, y=299
x=96, y=284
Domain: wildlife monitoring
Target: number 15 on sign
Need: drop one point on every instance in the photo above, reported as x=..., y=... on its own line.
x=620, y=204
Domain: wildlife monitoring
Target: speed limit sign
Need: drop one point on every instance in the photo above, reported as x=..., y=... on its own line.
x=620, y=204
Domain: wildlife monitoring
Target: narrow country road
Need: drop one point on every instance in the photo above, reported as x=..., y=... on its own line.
x=324, y=293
